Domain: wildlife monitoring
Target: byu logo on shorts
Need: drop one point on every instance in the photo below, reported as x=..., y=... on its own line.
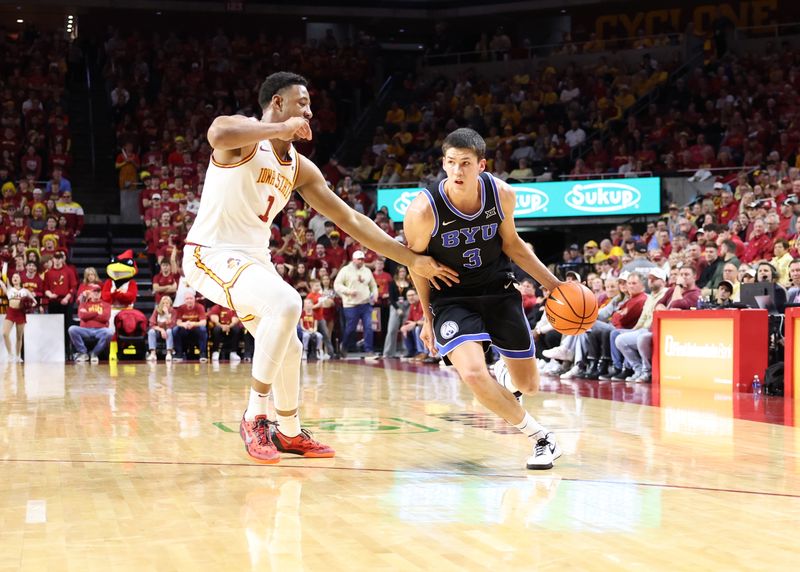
x=448, y=330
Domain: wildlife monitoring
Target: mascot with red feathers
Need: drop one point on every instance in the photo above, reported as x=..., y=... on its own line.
x=120, y=290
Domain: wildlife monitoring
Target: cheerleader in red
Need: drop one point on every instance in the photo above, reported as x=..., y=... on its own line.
x=20, y=300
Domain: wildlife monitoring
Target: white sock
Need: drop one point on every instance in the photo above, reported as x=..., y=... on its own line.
x=504, y=378
x=289, y=426
x=530, y=427
x=257, y=405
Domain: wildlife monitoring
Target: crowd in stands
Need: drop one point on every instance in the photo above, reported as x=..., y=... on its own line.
x=743, y=110
x=500, y=45
x=739, y=112
x=699, y=253
x=698, y=256
x=163, y=89
x=533, y=123
x=39, y=217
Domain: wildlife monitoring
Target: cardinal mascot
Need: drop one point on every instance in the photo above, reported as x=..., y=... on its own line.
x=120, y=290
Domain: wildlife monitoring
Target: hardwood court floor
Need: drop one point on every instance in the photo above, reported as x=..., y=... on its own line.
x=140, y=467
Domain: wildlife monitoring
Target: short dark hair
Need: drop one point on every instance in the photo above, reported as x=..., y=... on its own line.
x=276, y=82
x=730, y=244
x=465, y=138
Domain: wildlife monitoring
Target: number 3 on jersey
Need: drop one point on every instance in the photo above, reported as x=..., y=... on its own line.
x=265, y=216
x=474, y=256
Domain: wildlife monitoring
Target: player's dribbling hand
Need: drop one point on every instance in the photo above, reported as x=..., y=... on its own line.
x=428, y=268
x=426, y=335
x=295, y=128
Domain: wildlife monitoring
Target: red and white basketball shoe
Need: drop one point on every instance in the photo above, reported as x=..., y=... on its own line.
x=303, y=444
x=257, y=442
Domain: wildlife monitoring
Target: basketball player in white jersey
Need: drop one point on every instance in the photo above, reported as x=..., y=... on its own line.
x=254, y=169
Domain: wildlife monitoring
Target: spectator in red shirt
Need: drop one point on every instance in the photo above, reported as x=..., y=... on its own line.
x=685, y=293
x=729, y=208
x=165, y=283
x=336, y=255
x=59, y=288
x=59, y=159
x=190, y=328
x=168, y=250
x=94, y=314
x=529, y=300
x=65, y=233
x=19, y=227
x=759, y=245
x=31, y=163
x=624, y=318
x=176, y=157
x=412, y=327
x=31, y=280
x=227, y=330
x=89, y=277
x=155, y=210
x=324, y=306
x=319, y=258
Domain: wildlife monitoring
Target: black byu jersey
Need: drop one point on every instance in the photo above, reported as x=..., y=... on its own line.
x=470, y=244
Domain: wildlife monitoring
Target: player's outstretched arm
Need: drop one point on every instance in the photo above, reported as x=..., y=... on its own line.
x=417, y=227
x=514, y=247
x=311, y=185
x=237, y=132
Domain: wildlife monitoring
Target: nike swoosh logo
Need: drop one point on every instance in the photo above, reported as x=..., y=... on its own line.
x=448, y=222
x=509, y=284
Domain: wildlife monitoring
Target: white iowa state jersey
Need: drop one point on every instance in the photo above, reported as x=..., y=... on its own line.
x=240, y=200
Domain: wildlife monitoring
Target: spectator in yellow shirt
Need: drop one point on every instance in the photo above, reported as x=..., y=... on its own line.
x=396, y=115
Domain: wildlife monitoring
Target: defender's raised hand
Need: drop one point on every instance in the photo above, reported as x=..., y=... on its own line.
x=428, y=268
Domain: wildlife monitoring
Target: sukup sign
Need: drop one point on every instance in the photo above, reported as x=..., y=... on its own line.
x=560, y=199
x=604, y=197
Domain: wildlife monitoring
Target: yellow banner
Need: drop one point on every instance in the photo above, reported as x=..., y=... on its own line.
x=696, y=353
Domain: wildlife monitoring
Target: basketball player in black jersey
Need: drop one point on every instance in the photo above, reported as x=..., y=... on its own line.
x=467, y=222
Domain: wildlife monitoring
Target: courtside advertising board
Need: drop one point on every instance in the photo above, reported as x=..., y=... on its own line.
x=591, y=198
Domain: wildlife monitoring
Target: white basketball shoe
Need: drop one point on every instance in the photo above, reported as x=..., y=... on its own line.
x=545, y=452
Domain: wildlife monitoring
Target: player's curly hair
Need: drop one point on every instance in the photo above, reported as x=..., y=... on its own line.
x=276, y=82
x=465, y=138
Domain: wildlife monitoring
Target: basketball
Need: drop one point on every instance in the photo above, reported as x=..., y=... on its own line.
x=571, y=308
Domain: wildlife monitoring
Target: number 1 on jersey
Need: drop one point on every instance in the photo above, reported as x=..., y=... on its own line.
x=265, y=216
x=474, y=255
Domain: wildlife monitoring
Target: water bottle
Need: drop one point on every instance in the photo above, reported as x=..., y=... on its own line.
x=756, y=386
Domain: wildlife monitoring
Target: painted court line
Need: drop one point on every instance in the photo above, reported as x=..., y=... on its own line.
x=321, y=467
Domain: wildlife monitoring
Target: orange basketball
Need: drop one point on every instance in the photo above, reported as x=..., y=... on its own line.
x=571, y=308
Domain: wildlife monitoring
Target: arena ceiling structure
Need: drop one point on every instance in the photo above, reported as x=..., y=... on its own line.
x=407, y=9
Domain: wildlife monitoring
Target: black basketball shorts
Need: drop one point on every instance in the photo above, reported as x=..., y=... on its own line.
x=496, y=319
